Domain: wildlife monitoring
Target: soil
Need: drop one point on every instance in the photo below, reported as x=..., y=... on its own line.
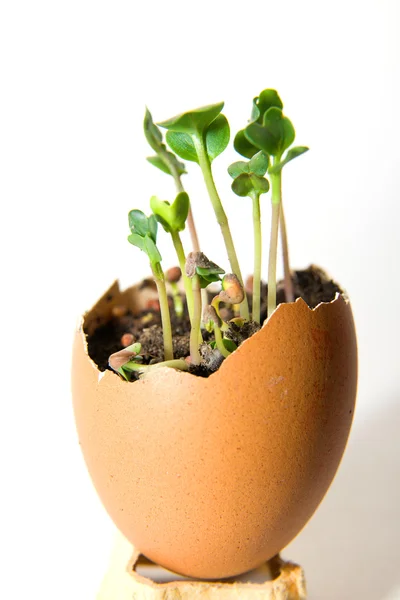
x=310, y=284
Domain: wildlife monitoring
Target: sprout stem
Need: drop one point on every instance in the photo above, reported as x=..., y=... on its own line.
x=215, y=304
x=289, y=293
x=220, y=214
x=147, y=369
x=195, y=329
x=257, y=256
x=276, y=195
x=164, y=309
x=182, y=261
x=180, y=188
x=178, y=304
x=219, y=342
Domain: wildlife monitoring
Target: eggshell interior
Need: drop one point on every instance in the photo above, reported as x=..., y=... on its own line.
x=211, y=477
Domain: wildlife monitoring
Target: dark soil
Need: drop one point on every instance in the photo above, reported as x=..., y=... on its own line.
x=310, y=284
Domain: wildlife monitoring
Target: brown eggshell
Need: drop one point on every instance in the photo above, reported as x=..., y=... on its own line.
x=210, y=477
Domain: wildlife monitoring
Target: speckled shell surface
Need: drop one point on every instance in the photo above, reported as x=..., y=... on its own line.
x=212, y=477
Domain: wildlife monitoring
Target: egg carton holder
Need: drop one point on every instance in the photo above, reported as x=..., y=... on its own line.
x=131, y=576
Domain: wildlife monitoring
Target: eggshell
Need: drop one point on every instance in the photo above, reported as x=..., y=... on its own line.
x=211, y=477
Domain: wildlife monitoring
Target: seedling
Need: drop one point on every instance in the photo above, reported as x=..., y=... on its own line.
x=248, y=180
x=232, y=293
x=129, y=363
x=144, y=236
x=173, y=217
x=173, y=276
x=200, y=136
x=213, y=323
x=168, y=163
x=273, y=133
x=202, y=272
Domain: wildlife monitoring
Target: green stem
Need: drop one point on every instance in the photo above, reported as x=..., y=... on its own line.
x=147, y=369
x=257, y=256
x=178, y=304
x=215, y=304
x=276, y=196
x=186, y=281
x=180, y=188
x=196, y=321
x=221, y=217
x=289, y=293
x=164, y=309
x=219, y=342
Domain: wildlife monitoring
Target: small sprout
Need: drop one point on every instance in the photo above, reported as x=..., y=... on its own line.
x=213, y=323
x=211, y=319
x=202, y=272
x=249, y=180
x=144, y=236
x=237, y=322
x=119, y=359
x=127, y=340
x=173, y=275
x=232, y=290
x=173, y=218
x=168, y=163
x=231, y=293
x=273, y=133
x=208, y=272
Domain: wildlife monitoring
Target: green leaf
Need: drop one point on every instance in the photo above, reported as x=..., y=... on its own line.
x=153, y=226
x=156, y=161
x=259, y=164
x=238, y=168
x=243, y=146
x=172, y=217
x=209, y=274
x=229, y=344
x=137, y=240
x=292, y=153
x=151, y=250
x=280, y=128
x=194, y=121
x=182, y=145
x=247, y=183
x=138, y=222
x=274, y=135
x=217, y=137
x=295, y=152
x=152, y=132
x=266, y=100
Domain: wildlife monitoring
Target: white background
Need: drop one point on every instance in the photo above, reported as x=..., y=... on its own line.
x=75, y=78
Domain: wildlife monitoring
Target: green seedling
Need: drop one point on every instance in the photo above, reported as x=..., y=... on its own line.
x=200, y=136
x=173, y=276
x=167, y=162
x=248, y=180
x=144, y=236
x=212, y=323
x=128, y=363
x=118, y=360
x=202, y=272
x=232, y=293
x=273, y=133
x=173, y=217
